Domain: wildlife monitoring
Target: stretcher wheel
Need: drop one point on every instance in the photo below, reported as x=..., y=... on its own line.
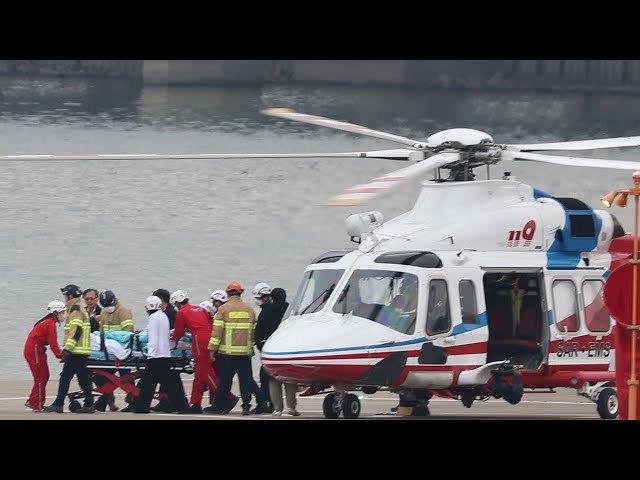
x=101, y=403
x=73, y=406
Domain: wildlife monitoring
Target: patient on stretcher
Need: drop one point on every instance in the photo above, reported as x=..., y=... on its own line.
x=121, y=345
x=113, y=347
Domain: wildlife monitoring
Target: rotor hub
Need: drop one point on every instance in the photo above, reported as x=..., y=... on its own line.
x=459, y=138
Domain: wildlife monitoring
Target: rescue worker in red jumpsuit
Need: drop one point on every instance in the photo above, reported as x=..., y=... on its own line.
x=42, y=334
x=196, y=320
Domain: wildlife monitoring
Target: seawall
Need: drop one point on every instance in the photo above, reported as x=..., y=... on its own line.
x=569, y=75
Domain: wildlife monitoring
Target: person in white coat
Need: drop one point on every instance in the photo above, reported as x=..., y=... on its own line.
x=158, y=361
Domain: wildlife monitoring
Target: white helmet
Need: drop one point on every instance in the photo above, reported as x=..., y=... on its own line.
x=261, y=289
x=56, y=306
x=153, y=303
x=219, y=295
x=209, y=307
x=178, y=296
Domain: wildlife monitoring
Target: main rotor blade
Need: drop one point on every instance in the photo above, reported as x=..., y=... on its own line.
x=573, y=161
x=362, y=193
x=396, y=154
x=578, y=144
x=339, y=125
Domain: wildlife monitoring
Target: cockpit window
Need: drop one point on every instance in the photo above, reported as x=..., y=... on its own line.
x=314, y=291
x=386, y=297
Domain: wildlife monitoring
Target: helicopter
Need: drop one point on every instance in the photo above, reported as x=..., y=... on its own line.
x=483, y=289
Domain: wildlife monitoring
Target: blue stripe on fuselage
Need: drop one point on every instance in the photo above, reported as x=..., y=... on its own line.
x=458, y=329
x=350, y=349
x=467, y=327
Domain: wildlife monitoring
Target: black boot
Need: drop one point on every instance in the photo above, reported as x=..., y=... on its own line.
x=163, y=405
x=260, y=408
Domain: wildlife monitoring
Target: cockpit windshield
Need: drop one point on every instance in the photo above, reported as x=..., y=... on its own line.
x=386, y=297
x=314, y=290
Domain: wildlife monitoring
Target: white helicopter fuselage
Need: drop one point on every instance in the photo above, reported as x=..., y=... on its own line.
x=502, y=273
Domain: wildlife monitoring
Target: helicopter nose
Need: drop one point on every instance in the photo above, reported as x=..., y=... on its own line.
x=321, y=349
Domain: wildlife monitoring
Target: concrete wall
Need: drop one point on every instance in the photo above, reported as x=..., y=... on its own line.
x=588, y=75
x=203, y=72
x=379, y=72
x=102, y=68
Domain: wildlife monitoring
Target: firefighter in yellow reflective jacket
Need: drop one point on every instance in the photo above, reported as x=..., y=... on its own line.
x=231, y=347
x=114, y=315
x=76, y=350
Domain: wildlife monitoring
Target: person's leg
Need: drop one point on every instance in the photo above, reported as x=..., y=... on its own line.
x=172, y=387
x=43, y=379
x=40, y=371
x=67, y=373
x=233, y=399
x=199, y=378
x=143, y=401
x=226, y=369
x=264, y=384
x=177, y=379
x=248, y=385
x=275, y=391
x=290, y=391
x=163, y=404
x=36, y=396
x=84, y=380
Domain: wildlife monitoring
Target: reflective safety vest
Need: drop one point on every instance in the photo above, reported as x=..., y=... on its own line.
x=77, y=329
x=120, y=319
x=234, y=328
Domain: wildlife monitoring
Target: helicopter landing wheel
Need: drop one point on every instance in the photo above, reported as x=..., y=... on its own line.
x=608, y=404
x=467, y=399
x=351, y=406
x=74, y=405
x=331, y=406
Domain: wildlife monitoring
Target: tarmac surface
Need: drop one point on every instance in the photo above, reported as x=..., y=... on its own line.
x=564, y=404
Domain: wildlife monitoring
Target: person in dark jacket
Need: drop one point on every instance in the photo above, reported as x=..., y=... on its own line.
x=272, y=318
x=90, y=297
x=262, y=293
x=167, y=308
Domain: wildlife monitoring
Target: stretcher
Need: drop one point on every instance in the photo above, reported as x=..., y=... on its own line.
x=120, y=364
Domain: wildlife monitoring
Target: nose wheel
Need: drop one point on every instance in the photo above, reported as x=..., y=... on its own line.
x=347, y=403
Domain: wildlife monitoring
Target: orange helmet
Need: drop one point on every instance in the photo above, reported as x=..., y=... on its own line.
x=234, y=286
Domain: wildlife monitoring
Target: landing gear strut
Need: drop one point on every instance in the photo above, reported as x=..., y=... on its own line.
x=605, y=395
x=511, y=391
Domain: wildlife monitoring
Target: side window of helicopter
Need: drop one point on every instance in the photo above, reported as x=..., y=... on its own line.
x=438, y=313
x=595, y=313
x=468, y=305
x=565, y=306
x=387, y=297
